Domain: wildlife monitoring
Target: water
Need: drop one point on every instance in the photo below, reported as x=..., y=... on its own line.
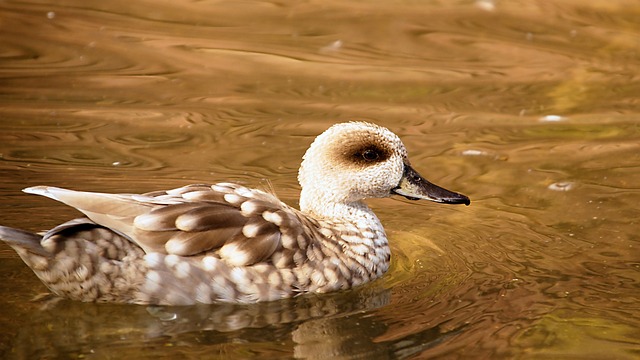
x=530, y=108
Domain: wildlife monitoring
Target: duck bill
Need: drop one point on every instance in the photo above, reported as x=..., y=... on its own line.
x=415, y=187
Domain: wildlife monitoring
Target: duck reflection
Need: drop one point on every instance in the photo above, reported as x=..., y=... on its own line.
x=342, y=325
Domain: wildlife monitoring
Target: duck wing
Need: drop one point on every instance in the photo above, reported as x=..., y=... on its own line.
x=243, y=225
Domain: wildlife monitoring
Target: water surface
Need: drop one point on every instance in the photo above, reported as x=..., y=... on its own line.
x=530, y=108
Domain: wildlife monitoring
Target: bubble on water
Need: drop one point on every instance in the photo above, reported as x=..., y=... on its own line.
x=161, y=314
x=552, y=118
x=561, y=186
x=486, y=5
x=51, y=15
x=489, y=154
x=474, y=152
x=333, y=47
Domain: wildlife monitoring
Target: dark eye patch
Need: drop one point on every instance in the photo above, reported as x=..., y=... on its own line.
x=369, y=155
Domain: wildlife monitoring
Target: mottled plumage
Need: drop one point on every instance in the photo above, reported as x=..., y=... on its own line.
x=229, y=243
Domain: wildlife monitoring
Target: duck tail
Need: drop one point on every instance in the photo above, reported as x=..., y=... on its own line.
x=20, y=239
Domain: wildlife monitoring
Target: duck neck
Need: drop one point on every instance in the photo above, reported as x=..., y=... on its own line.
x=355, y=212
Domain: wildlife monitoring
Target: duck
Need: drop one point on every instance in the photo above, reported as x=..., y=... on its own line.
x=228, y=243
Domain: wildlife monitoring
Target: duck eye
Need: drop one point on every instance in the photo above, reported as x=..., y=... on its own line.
x=370, y=155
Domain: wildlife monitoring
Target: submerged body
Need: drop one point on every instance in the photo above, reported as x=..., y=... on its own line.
x=226, y=242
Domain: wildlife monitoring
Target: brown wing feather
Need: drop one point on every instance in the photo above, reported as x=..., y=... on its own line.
x=162, y=218
x=185, y=243
x=210, y=216
x=242, y=251
x=248, y=226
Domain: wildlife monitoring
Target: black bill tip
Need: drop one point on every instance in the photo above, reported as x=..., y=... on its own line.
x=415, y=187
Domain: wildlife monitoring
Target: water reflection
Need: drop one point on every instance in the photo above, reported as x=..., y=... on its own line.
x=314, y=324
x=316, y=327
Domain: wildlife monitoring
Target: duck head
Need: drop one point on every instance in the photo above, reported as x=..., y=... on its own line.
x=353, y=161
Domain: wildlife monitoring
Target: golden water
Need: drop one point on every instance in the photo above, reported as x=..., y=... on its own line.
x=529, y=107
